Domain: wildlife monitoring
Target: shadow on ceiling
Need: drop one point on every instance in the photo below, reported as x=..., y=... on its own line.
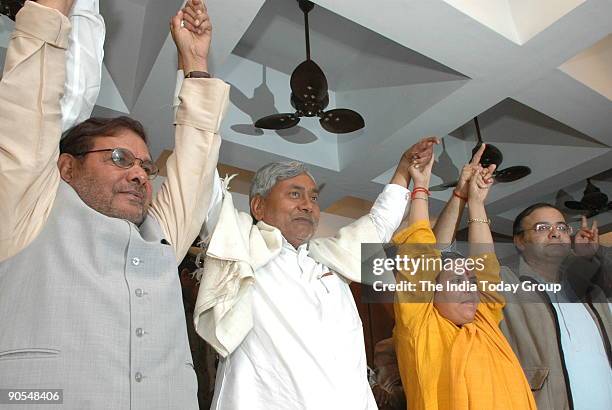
x=260, y=105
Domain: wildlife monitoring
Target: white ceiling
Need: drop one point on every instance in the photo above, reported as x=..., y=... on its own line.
x=538, y=75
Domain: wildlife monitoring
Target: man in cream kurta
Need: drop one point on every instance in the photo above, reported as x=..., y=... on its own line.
x=91, y=303
x=277, y=306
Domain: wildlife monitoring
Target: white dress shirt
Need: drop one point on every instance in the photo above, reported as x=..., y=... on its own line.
x=586, y=361
x=306, y=348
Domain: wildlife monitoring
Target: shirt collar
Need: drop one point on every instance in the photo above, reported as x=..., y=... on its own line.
x=276, y=233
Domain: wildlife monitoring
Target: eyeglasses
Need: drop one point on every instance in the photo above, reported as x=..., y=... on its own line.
x=544, y=227
x=123, y=158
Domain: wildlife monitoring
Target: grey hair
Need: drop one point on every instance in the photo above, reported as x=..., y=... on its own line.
x=269, y=175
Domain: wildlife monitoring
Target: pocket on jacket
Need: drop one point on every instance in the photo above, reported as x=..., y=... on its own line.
x=29, y=353
x=536, y=376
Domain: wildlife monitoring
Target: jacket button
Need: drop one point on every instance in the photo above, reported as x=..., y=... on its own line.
x=138, y=377
x=135, y=261
x=139, y=332
x=139, y=292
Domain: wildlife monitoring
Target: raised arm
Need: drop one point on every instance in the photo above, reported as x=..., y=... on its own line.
x=390, y=206
x=417, y=156
x=419, y=207
x=214, y=209
x=182, y=203
x=448, y=221
x=481, y=243
x=416, y=242
x=599, y=258
x=30, y=121
x=378, y=226
x=83, y=62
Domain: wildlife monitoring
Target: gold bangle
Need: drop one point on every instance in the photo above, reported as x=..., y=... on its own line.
x=418, y=197
x=482, y=221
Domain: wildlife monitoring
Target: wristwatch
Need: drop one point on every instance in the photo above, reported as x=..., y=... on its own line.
x=197, y=74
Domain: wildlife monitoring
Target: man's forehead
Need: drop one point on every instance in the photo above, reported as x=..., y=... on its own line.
x=131, y=142
x=302, y=181
x=550, y=215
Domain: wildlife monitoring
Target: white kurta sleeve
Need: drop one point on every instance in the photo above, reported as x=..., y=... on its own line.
x=388, y=210
x=83, y=62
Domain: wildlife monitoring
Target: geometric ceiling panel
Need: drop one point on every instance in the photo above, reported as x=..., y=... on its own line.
x=593, y=67
x=275, y=39
x=109, y=96
x=365, y=71
x=517, y=20
x=512, y=122
x=402, y=104
x=136, y=31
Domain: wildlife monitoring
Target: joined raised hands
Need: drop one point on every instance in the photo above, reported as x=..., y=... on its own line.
x=421, y=174
x=586, y=241
x=421, y=152
x=418, y=155
x=192, y=32
x=479, y=184
x=470, y=169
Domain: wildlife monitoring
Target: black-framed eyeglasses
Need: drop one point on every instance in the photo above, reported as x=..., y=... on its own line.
x=545, y=227
x=123, y=158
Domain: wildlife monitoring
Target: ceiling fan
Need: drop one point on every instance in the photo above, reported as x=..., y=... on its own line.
x=593, y=201
x=10, y=7
x=491, y=155
x=309, y=96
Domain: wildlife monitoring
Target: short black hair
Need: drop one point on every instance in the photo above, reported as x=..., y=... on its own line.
x=518, y=221
x=80, y=138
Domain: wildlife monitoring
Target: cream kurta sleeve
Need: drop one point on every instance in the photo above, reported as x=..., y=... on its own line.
x=30, y=124
x=182, y=202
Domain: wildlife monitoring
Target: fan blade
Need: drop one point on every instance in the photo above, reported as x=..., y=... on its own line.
x=444, y=186
x=511, y=174
x=578, y=206
x=341, y=121
x=277, y=121
x=308, y=83
x=595, y=200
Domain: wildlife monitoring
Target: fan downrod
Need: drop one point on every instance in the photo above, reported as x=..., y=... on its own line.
x=306, y=5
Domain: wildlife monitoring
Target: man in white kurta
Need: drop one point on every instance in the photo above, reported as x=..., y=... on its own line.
x=286, y=321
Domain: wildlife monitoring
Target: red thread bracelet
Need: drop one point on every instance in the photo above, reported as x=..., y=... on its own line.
x=459, y=196
x=419, y=189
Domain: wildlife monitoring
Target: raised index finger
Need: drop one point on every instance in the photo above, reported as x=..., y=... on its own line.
x=476, y=158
